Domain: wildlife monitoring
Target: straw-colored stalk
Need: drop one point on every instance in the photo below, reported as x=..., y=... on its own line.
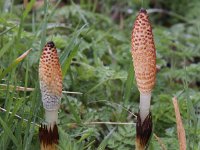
x=144, y=61
x=51, y=89
x=180, y=127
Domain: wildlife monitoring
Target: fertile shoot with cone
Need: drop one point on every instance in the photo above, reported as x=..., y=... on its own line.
x=144, y=61
x=51, y=89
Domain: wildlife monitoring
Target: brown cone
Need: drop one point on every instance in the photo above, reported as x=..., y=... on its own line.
x=50, y=77
x=51, y=89
x=143, y=53
x=144, y=61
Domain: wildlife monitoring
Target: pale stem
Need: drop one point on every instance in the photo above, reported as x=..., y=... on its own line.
x=51, y=116
x=145, y=100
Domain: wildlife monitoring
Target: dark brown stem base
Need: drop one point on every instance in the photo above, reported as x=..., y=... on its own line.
x=49, y=137
x=143, y=132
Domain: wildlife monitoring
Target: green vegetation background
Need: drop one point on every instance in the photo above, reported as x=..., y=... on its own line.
x=93, y=41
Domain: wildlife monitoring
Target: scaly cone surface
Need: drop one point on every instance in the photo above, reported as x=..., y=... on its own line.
x=144, y=61
x=50, y=76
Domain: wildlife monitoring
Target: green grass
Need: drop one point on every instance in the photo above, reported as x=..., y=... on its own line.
x=94, y=49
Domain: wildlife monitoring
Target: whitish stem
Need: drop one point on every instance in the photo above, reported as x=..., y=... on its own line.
x=145, y=100
x=51, y=116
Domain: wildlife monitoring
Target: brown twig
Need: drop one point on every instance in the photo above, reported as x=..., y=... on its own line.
x=25, y=3
x=19, y=117
x=28, y=89
x=111, y=123
x=180, y=128
x=160, y=142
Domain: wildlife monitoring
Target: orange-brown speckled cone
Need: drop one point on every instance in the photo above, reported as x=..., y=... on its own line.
x=143, y=53
x=144, y=61
x=51, y=89
x=50, y=77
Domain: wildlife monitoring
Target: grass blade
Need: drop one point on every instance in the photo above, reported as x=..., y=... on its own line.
x=9, y=132
x=129, y=84
x=103, y=144
x=67, y=62
x=5, y=48
x=14, y=64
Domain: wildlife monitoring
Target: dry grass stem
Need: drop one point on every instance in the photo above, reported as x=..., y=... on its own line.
x=19, y=117
x=28, y=89
x=162, y=145
x=111, y=123
x=180, y=128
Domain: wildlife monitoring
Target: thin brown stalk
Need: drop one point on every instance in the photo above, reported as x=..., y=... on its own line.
x=180, y=128
x=28, y=89
x=19, y=117
x=111, y=123
x=162, y=145
x=25, y=3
